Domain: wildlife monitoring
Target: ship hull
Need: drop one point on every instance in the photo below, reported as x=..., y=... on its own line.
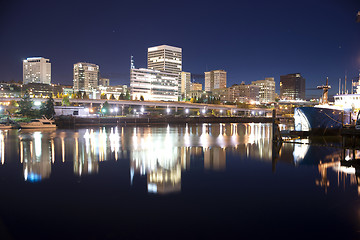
x=320, y=120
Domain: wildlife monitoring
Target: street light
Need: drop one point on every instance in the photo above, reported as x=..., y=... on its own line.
x=168, y=110
x=187, y=111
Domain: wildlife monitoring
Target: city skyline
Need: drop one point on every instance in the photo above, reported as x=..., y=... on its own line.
x=318, y=40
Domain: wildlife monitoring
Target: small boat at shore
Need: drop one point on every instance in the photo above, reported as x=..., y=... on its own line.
x=39, y=123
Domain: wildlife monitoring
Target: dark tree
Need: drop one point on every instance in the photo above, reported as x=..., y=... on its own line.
x=47, y=108
x=25, y=105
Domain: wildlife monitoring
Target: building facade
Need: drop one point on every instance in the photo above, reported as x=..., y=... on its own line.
x=246, y=93
x=36, y=70
x=185, y=84
x=86, y=77
x=109, y=91
x=40, y=90
x=166, y=59
x=225, y=94
x=195, y=86
x=105, y=82
x=292, y=87
x=153, y=85
x=215, y=79
x=267, y=90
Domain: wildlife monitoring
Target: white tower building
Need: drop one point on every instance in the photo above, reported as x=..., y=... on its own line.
x=36, y=70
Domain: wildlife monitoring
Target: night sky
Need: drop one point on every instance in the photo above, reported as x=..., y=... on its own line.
x=251, y=40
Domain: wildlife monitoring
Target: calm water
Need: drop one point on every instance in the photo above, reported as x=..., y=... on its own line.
x=219, y=181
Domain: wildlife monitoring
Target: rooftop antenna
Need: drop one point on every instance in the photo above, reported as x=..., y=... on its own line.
x=132, y=66
x=325, y=89
x=339, y=85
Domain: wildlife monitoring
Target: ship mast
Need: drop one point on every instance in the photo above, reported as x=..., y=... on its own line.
x=325, y=89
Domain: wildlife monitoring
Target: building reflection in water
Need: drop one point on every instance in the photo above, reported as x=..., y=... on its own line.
x=162, y=158
x=36, y=154
x=326, y=159
x=162, y=154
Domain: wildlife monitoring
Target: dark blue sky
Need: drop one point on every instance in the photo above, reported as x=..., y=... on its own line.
x=251, y=40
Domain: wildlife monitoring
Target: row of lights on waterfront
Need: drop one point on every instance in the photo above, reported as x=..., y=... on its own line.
x=168, y=110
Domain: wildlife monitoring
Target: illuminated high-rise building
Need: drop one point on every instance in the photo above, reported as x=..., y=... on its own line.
x=166, y=59
x=215, y=79
x=86, y=77
x=36, y=70
x=292, y=87
x=267, y=89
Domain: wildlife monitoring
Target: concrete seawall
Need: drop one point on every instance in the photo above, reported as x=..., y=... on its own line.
x=65, y=121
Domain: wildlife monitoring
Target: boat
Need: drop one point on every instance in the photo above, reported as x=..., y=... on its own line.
x=39, y=123
x=327, y=118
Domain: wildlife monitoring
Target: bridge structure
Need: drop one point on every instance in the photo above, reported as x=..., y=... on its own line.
x=174, y=107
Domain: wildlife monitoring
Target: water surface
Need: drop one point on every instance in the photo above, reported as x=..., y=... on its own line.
x=174, y=182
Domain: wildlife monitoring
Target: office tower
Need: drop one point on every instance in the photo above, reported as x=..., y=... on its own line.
x=267, y=89
x=215, y=79
x=153, y=85
x=358, y=17
x=36, y=70
x=292, y=87
x=105, y=82
x=167, y=59
x=86, y=77
x=185, y=84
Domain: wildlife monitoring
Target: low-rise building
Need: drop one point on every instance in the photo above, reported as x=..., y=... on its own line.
x=246, y=93
x=77, y=111
x=153, y=85
x=225, y=94
x=42, y=90
x=109, y=91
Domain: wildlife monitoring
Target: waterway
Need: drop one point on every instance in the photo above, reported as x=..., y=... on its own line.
x=202, y=181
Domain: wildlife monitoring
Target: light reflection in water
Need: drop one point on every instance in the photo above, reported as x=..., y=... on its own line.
x=36, y=154
x=159, y=153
